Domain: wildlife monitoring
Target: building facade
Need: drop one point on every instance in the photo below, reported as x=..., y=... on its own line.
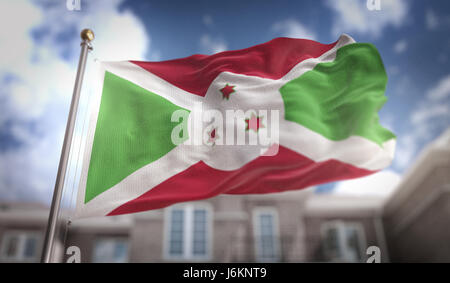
x=298, y=226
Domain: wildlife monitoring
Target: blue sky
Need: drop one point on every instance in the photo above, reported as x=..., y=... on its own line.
x=41, y=44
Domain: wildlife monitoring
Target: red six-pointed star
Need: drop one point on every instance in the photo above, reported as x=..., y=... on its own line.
x=227, y=90
x=254, y=123
x=213, y=136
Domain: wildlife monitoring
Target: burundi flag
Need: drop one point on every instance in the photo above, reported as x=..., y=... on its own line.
x=283, y=115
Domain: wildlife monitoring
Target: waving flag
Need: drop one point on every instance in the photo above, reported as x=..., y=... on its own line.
x=310, y=107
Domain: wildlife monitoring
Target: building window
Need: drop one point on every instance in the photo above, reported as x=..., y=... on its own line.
x=113, y=250
x=266, y=234
x=20, y=246
x=343, y=241
x=199, y=232
x=188, y=231
x=176, y=232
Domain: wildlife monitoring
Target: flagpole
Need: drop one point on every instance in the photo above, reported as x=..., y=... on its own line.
x=87, y=36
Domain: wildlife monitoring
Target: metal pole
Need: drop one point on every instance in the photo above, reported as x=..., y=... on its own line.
x=86, y=36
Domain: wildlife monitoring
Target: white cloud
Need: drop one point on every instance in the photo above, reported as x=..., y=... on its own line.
x=37, y=76
x=14, y=39
x=119, y=35
x=441, y=91
x=405, y=150
x=393, y=70
x=387, y=120
x=293, y=28
x=400, y=46
x=430, y=115
x=210, y=45
x=380, y=184
x=208, y=21
x=430, y=111
x=354, y=16
x=435, y=105
x=431, y=20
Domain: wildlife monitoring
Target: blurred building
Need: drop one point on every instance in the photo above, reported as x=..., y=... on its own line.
x=417, y=216
x=299, y=226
